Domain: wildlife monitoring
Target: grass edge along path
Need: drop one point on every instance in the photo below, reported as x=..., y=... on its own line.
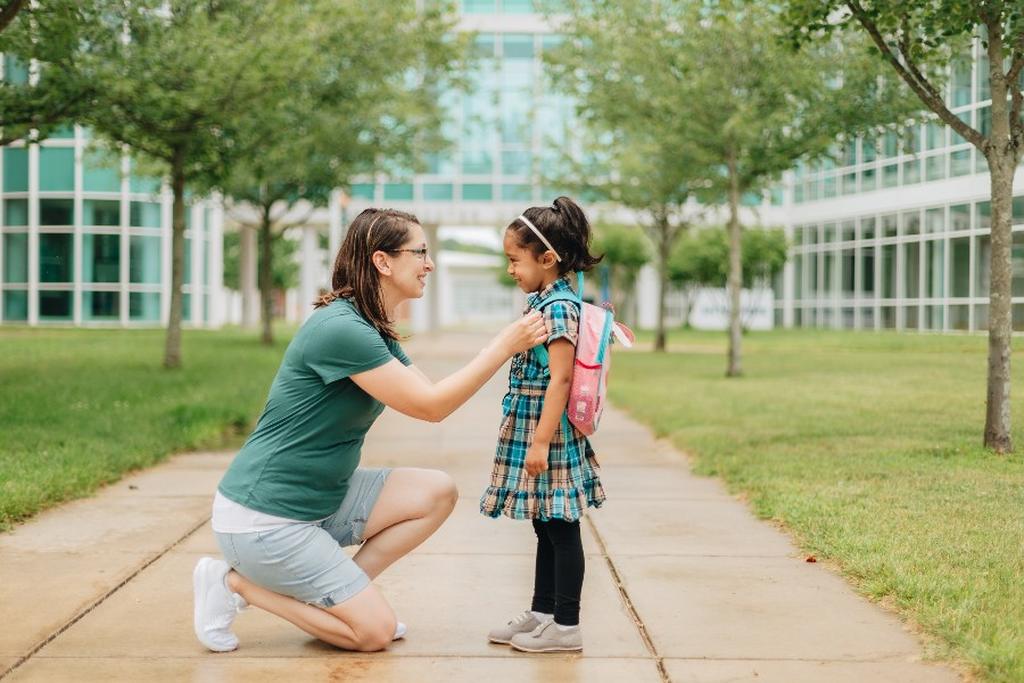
x=866, y=447
x=79, y=409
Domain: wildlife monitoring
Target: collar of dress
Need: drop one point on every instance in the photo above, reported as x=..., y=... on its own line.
x=559, y=285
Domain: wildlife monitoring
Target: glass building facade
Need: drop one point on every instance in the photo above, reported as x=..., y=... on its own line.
x=895, y=233
x=86, y=241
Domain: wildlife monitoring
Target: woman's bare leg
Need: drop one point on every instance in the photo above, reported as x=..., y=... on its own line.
x=364, y=622
x=411, y=506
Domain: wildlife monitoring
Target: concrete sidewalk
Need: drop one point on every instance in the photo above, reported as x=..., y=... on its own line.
x=683, y=584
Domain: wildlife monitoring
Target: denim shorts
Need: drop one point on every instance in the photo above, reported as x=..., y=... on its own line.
x=305, y=560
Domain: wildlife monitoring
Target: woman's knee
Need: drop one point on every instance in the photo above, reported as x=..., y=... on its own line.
x=377, y=636
x=445, y=490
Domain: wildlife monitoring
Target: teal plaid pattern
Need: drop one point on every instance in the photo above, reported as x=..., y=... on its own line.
x=571, y=484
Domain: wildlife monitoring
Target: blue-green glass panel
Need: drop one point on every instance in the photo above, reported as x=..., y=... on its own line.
x=16, y=257
x=484, y=45
x=56, y=169
x=362, y=191
x=64, y=132
x=15, y=70
x=960, y=162
x=477, y=161
x=517, y=6
x=101, y=212
x=143, y=185
x=56, y=257
x=515, y=163
x=751, y=199
x=101, y=305
x=477, y=192
x=440, y=164
x=144, y=263
x=186, y=307
x=144, y=306
x=144, y=214
x=56, y=212
x=15, y=212
x=15, y=306
x=521, y=193
x=517, y=46
x=398, y=191
x=187, y=265
x=16, y=170
x=479, y=6
x=55, y=306
x=101, y=258
x=551, y=41
x=438, y=191
x=101, y=173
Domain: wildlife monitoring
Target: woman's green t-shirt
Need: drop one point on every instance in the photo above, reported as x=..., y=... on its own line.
x=298, y=461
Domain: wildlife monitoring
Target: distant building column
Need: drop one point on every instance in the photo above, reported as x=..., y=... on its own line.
x=337, y=217
x=247, y=277
x=309, y=270
x=647, y=298
x=433, y=293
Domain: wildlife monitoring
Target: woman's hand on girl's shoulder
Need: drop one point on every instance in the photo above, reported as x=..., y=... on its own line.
x=523, y=334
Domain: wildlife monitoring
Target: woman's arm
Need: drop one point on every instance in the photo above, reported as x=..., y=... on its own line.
x=561, y=358
x=408, y=390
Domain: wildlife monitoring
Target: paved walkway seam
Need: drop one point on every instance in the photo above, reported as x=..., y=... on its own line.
x=628, y=602
x=103, y=598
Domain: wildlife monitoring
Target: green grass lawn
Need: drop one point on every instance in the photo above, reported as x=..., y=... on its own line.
x=867, y=447
x=78, y=408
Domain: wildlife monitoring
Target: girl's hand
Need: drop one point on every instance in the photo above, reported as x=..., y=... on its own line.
x=523, y=334
x=536, y=459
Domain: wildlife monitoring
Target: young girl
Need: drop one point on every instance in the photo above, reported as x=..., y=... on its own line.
x=544, y=468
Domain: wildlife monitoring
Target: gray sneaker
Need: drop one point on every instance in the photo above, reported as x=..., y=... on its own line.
x=524, y=623
x=549, y=638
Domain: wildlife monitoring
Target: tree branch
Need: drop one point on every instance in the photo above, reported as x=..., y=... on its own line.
x=923, y=90
x=9, y=11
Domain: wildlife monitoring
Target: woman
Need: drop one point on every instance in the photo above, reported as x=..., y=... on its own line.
x=294, y=494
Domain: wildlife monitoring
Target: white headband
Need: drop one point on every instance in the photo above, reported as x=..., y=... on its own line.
x=542, y=238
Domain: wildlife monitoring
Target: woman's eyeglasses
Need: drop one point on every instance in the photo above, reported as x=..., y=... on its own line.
x=421, y=252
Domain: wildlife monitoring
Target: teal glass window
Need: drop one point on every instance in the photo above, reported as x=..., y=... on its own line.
x=56, y=212
x=867, y=150
x=521, y=193
x=15, y=257
x=101, y=258
x=517, y=46
x=515, y=163
x=56, y=169
x=186, y=276
x=960, y=162
x=144, y=214
x=868, y=180
x=484, y=45
x=186, y=307
x=935, y=167
x=438, y=191
x=144, y=306
x=362, y=191
x=960, y=84
x=911, y=171
x=479, y=6
x=101, y=173
x=398, y=191
x=477, y=161
x=16, y=170
x=960, y=217
x=64, y=132
x=15, y=70
x=55, y=305
x=143, y=185
x=890, y=175
x=144, y=265
x=15, y=306
x=477, y=192
x=101, y=212
x=101, y=305
x=56, y=253
x=440, y=164
x=517, y=6
x=16, y=212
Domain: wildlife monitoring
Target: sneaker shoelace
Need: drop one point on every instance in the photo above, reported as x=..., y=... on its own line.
x=521, y=619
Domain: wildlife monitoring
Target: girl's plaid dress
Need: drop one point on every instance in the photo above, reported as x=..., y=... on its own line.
x=570, y=485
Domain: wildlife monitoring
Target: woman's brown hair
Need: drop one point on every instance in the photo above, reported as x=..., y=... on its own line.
x=355, y=277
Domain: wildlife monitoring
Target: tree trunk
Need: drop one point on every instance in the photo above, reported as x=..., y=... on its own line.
x=172, y=348
x=735, y=283
x=664, y=243
x=266, y=277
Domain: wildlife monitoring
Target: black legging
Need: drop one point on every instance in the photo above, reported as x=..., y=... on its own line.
x=558, y=573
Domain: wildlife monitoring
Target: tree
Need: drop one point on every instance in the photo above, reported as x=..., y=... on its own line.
x=356, y=106
x=640, y=151
x=703, y=259
x=180, y=78
x=626, y=251
x=918, y=39
x=284, y=269
x=43, y=44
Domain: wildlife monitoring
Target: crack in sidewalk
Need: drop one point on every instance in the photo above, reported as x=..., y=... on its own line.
x=628, y=602
x=100, y=600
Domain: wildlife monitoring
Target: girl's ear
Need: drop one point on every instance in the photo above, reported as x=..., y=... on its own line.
x=380, y=262
x=548, y=260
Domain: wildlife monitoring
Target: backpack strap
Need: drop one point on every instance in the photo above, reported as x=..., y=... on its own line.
x=575, y=297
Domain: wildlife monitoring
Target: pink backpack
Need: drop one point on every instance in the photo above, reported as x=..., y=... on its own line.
x=590, y=374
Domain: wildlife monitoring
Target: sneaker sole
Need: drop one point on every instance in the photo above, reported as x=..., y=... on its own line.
x=497, y=641
x=196, y=612
x=578, y=648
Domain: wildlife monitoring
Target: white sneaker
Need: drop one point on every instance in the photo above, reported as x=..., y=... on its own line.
x=215, y=606
x=400, y=631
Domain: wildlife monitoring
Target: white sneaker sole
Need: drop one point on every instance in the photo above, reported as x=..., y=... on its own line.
x=540, y=650
x=200, y=590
